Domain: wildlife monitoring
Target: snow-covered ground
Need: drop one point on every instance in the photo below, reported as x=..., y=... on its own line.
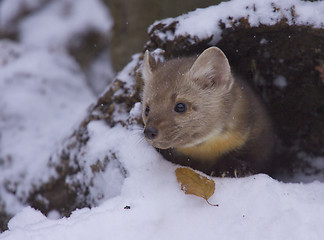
x=36, y=114
x=256, y=207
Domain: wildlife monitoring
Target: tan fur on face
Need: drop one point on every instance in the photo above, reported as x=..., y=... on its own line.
x=176, y=81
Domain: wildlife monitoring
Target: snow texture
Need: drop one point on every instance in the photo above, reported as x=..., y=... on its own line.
x=44, y=94
x=257, y=207
x=11, y=9
x=99, y=72
x=257, y=12
x=148, y=203
x=53, y=27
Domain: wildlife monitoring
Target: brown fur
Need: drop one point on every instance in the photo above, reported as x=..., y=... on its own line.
x=225, y=129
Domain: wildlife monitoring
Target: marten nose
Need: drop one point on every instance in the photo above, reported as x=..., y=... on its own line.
x=150, y=132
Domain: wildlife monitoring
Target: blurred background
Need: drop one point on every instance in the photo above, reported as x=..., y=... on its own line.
x=101, y=35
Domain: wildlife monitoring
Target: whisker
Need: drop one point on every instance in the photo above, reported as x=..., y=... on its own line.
x=140, y=140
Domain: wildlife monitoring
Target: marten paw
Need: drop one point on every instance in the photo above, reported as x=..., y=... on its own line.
x=236, y=170
x=236, y=173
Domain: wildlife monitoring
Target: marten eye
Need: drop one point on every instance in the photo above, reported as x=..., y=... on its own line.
x=180, y=107
x=147, y=110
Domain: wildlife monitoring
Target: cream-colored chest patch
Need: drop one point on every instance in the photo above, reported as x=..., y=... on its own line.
x=215, y=146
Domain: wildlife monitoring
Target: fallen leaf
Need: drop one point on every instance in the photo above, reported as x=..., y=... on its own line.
x=196, y=184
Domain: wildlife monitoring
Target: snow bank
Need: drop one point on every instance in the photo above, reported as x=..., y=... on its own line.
x=152, y=206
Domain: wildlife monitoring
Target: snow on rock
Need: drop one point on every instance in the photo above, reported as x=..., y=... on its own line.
x=43, y=96
x=65, y=24
x=100, y=173
x=57, y=23
x=11, y=10
x=268, y=12
x=99, y=164
x=100, y=71
x=312, y=170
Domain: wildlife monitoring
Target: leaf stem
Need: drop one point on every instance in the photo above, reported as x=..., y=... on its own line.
x=214, y=205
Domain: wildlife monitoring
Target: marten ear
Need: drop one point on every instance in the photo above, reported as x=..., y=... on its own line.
x=211, y=69
x=149, y=63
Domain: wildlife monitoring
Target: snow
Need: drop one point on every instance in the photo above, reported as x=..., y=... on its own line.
x=312, y=165
x=256, y=11
x=43, y=95
x=66, y=19
x=280, y=82
x=256, y=207
x=10, y=9
x=126, y=75
x=100, y=72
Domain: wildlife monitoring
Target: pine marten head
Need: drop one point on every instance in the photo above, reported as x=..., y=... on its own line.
x=185, y=100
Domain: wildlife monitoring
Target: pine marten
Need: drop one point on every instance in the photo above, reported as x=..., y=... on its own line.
x=199, y=114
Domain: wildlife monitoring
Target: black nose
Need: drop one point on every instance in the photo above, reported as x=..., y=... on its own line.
x=150, y=132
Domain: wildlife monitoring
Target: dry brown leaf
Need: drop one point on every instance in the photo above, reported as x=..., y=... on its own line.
x=196, y=184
